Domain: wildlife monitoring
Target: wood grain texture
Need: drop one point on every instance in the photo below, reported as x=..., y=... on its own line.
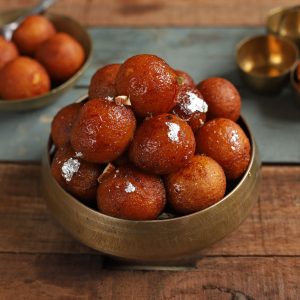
x=161, y=12
x=271, y=229
x=81, y=277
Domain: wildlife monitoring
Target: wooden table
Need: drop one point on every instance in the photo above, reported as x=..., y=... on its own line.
x=260, y=260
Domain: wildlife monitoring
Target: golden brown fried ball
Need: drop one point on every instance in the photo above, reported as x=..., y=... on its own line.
x=185, y=79
x=191, y=107
x=150, y=83
x=162, y=144
x=61, y=55
x=226, y=142
x=128, y=193
x=222, y=97
x=8, y=51
x=32, y=32
x=62, y=124
x=102, y=130
x=23, y=78
x=75, y=175
x=103, y=82
x=198, y=185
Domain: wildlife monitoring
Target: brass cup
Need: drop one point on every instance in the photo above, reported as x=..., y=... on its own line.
x=159, y=241
x=285, y=22
x=265, y=62
x=295, y=82
x=61, y=23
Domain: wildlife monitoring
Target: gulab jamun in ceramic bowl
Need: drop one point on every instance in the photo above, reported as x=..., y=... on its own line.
x=150, y=181
x=46, y=56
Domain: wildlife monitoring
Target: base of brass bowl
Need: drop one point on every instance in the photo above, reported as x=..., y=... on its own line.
x=63, y=24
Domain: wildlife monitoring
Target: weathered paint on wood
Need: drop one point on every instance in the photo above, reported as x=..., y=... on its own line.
x=275, y=120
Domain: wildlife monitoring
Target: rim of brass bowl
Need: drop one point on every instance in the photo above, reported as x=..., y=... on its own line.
x=62, y=23
x=276, y=18
x=295, y=84
x=262, y=82
x=169, y=240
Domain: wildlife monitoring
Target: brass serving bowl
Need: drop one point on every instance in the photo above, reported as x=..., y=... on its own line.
x=64, y=24
x=285, y=22
x=295, y=82
x=157, y=241
x=265, y=62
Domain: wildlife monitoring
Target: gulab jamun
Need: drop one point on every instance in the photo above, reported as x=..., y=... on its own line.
x=32, y=32
x=8, y=51
x=102, y=84
x=149, y=82
x=197, y=186
x=23, y=78
x=222, y=97
x=62, y=124
x=61, y=55
x=226, y=142
x=128, y=193
x=76, y=175
x=103, y=130
x=191, y=107
x=162, y=144
x=185, y=79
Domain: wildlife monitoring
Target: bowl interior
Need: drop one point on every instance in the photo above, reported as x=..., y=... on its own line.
x=64, y=24
x=285, y=22
x=266, y=56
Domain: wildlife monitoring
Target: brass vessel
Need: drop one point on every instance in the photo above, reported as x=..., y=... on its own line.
x=285, y=22
x=265, y=62
x=159, y=241
x=61, y=23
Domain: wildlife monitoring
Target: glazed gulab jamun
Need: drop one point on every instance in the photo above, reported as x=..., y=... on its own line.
x=23, y=78
x=149, y=82
x=128, y=193
x=102, y=130
x=191, y=107
x=75, y=175
x=185, y=79
x=32, y=32
x=222, y=97
x=8, y=51
x=102, y=84
x=198, y=185
x=226, y=142
x=61, y=55
x=62, y=124
x=162, y=144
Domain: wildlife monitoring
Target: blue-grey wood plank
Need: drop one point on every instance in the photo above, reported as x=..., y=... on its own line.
x=275, y=120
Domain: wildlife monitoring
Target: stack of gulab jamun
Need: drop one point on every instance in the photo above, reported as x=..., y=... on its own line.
x=37, y=59
x=147, y=141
